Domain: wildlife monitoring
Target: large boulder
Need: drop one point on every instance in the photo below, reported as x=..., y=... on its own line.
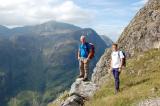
x=74, y=100
x=80, y=91
x=85, y=89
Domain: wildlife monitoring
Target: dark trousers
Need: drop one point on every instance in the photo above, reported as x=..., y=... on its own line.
x=116, y=74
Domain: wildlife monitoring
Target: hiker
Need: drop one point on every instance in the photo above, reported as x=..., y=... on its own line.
x=85, y=54
x=117, y=62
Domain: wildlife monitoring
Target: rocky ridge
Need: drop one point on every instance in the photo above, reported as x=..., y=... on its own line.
x=80, y=91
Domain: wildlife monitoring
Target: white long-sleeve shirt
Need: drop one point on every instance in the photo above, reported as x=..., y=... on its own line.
x=116, y=58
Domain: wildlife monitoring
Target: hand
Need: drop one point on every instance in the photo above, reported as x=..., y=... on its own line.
x=120, y=69
x=86, y=60
x=78, y=58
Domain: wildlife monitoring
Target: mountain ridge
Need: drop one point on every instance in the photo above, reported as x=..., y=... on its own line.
x=50, y=27
x=106, y=39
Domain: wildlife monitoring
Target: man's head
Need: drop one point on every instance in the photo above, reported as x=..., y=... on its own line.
x=83, y=39
x=114, y=47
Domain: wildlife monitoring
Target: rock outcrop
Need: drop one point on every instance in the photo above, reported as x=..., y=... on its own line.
x=80, y=91
x=143, y=32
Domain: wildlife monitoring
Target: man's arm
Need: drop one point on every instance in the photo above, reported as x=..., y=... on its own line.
x=89, y=55
x=121, y=59
x=78, y=54
x=88, y=58
x=121, y=62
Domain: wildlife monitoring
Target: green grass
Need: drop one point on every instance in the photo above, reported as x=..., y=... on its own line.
x=140, y=80
x=61, y=98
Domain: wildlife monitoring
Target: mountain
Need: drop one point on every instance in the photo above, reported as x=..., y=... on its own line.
x=3, y=30
x=140, y=84
x=40, y=61
x=50, y=27
x=107, y=40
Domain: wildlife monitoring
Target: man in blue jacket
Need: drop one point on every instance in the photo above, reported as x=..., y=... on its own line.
x=84, y=54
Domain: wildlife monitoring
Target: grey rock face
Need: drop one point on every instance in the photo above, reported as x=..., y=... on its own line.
x=100, y=72
x=142, y=34
x=85, y=89
x=74, y=100
x=80, y=91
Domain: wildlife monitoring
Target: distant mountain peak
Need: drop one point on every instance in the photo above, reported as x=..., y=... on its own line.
x=47, y=28
x=1, y=26
x=107, y=40
x=58, y=24
x=4, y=30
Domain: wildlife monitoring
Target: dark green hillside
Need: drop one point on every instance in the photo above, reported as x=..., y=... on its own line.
x=38, y=62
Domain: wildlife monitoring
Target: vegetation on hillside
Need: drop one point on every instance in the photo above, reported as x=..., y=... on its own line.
x=62, y=97
x=139, y=81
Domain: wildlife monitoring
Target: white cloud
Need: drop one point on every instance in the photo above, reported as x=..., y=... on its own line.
x=24, y=12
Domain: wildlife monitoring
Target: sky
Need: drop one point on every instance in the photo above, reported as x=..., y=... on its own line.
x=107, y=17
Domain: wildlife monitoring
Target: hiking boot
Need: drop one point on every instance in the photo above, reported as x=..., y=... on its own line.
x=116, y=91
x=85, y=79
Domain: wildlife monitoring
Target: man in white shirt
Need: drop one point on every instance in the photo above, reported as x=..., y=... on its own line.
x=116, y=64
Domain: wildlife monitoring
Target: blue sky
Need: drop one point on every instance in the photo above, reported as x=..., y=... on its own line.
x=111, y=16
x=107, y=17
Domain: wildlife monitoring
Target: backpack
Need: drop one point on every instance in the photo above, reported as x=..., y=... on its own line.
x=92, y=50
x=124, y=59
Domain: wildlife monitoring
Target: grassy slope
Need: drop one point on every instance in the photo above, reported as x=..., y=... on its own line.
x=61, y=98
x=140, y=80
